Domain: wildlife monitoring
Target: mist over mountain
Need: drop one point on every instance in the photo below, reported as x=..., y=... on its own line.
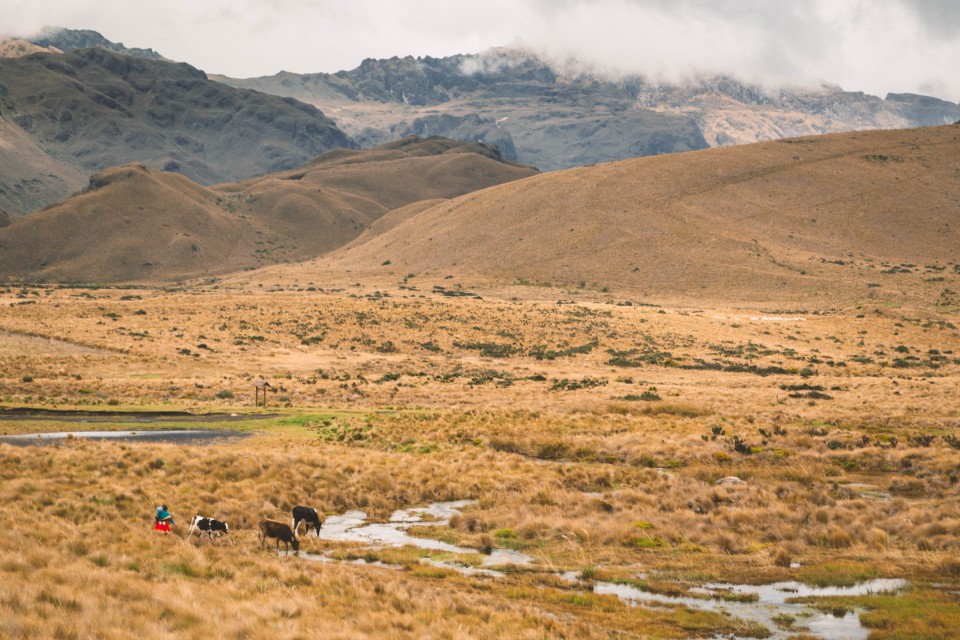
x=562, y=115
x=16, y=47
x=73, y=39
x=552, y=121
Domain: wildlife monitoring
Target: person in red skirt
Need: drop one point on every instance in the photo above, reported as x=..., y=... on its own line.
x=163, y=520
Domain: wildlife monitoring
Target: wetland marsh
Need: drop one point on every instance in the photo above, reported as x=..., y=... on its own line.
x=577, y=448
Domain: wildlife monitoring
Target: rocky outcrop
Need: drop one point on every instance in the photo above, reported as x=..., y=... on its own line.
x=731, y=112
x=73, y=39
x=468, y=128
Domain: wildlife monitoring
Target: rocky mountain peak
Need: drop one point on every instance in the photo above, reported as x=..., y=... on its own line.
x=73, y=39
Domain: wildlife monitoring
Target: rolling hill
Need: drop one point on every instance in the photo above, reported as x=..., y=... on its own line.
x=133, y=223
x=840, y=216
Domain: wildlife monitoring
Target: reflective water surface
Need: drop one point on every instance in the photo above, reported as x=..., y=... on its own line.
x=352, y=526
x=772, y=605
x=183, y=436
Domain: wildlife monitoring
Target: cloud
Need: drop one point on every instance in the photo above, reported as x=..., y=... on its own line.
x=941, y=18
x=875, y=46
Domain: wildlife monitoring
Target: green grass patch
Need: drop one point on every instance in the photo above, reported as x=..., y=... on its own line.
x=181, y=569
x=647, y=542
x=919, y=613
x=913, y=614
x=842, y=573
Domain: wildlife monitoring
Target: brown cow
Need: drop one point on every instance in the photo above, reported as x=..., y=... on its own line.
x=279, y=531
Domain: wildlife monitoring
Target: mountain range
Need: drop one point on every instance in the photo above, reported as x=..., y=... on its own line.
x=72, y=39
x=555, y=119
x=192, y=178
x=83, y=103
x=89, y=109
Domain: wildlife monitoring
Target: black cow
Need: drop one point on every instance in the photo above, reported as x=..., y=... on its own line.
x=309, y=516
x=208, y=526
x=279, y=531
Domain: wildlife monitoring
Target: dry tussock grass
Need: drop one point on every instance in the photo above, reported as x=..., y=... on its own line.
x=571, y=473
x=79, y=541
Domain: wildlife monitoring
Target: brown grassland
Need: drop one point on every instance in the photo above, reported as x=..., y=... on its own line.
x=589, y=429
x=583, y=355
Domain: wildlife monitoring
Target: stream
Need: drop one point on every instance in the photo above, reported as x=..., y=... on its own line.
x=771, y=607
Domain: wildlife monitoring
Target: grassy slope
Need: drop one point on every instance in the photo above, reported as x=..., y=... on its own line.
x=137, y=224
x=795, y=220
x=30, y=178
x=591, y=432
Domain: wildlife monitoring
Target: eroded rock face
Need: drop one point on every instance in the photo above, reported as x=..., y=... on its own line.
x=730, y=112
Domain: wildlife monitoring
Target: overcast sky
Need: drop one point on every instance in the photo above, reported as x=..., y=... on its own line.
x=875, y=46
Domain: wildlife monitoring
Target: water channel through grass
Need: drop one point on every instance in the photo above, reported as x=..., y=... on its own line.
x=783, y=608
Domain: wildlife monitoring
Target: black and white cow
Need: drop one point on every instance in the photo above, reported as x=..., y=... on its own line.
x=208, y=526
x=309, y=516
